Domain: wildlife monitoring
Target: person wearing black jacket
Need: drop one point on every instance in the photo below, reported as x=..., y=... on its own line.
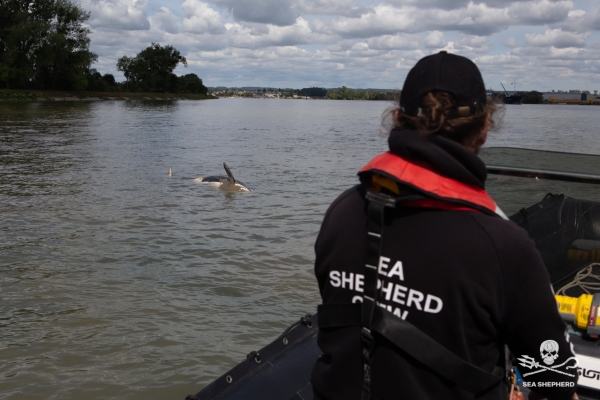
x=449, y=265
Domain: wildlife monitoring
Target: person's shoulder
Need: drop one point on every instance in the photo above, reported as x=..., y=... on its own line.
x=500, y=229
x=350, y=198
x=348, y=203
x=512, y=243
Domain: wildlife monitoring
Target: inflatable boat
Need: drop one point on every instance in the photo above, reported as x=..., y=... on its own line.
x=565, y=226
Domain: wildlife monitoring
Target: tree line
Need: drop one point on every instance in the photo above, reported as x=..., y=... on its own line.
x=44, y=45
x=344, y=93
x=533, y=97
x=152, y=71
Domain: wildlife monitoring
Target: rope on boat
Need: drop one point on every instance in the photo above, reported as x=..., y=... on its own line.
x=585, y=279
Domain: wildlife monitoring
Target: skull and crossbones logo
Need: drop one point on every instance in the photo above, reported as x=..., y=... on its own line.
x=549, y=354
x=549, y=351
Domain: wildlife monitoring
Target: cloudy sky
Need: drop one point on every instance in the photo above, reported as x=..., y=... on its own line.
x=542, y=44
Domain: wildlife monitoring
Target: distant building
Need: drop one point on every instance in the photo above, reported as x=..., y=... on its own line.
x=553, y=97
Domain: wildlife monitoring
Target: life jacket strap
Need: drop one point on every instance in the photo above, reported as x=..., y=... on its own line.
x=404, y=335
x=414, y=342
x=375, y=222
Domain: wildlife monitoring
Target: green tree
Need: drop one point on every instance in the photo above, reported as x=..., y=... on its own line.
x=313, y=92
x=101, y=83
x=190, y=83
x=43, y=44
x=125, y=65
x=152, y=69
x=533, y=97
x=109, y=79
x=344, y=93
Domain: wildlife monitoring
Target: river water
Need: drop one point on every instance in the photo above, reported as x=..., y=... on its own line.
x=118, y=281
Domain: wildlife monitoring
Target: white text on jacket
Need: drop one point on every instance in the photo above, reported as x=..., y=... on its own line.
x=390, y=291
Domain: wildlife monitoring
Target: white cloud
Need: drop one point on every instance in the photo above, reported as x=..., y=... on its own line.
x=299, y=33
x=568, y=54
x=357, y=43
x=455, y=4
x=165, y=20
x=291, y=51
x=540, y=11
x=576, y=13
x=477, y=19
x=201, y=18
x=118, y=14
x=360, y=46
x=496, y=60
x=556, y=38
x=346, y=8
x=473, y=43
x=450, y=48
x=435, y=39
x=444, y=4
x=276, y=12
x=393, y=42
x=510, y=42
x=581, y=21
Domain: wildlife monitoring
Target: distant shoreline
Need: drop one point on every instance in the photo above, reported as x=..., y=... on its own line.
x=60, y=96
x=56, y=95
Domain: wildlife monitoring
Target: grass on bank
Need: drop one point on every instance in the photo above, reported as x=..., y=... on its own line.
x=55, y=95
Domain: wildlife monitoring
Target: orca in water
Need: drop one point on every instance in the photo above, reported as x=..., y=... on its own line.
x=227, y=183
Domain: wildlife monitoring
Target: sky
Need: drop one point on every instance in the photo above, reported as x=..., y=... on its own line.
x=539, y=44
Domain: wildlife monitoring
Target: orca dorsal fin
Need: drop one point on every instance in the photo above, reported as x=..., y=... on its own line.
x=229, y=174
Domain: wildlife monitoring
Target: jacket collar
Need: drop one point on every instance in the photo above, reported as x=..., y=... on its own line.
x=444, y=156
x=460, y=189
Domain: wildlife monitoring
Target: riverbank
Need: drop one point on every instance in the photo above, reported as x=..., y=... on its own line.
x=55, y=95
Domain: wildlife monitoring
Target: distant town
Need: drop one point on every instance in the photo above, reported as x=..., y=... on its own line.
x=572, y=96
x=118, y=91
x=344, y=93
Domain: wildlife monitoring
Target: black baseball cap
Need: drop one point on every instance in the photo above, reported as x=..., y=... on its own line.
x=444, y=72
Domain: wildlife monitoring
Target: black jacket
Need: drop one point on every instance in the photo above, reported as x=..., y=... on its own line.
x=471, y=281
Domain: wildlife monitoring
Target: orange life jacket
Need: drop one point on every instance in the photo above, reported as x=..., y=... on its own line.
x=388, y=169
